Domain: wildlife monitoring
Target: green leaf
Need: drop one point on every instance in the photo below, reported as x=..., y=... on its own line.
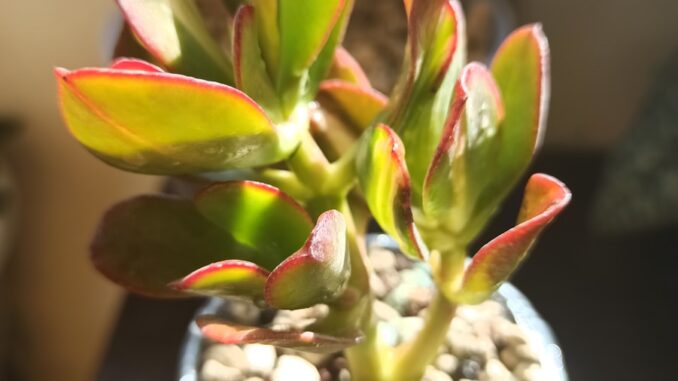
x=251, y=75
x=301, y=41
x=522, y=70
x=383, y=177
x=420, y=103
x=147, y=242
x=228, y=333
x=316, y=273
x=266, y=14
x=174, y=33
x=346, y=68
x=259, y=216
x=466, y=159
x=361, y=105
x=167, y=124
x=226, y=278
x=545, y=197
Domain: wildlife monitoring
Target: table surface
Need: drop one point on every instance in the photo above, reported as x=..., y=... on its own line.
x=605, y=297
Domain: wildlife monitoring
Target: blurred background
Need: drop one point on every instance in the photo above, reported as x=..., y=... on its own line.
x=603, y=276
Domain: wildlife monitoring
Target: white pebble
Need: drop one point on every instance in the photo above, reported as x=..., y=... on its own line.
x=260, y=358
x=294, y=368
x=213, y=370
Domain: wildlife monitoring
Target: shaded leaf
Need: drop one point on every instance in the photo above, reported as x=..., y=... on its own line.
x=225, y=278
x=168, y=124
x=146, y=242
x=174, y=33
x=229, y=333
x=361, y=105
x=266, y=14
x=346, y=68
x=545, y=197
x=316, y=273
x=464, y=165
x=383, y=177
x=259, y=216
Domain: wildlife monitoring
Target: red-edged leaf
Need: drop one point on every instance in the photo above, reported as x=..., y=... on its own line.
x=316, y=273
x=257, y=215
x=251, y=75
x=162, y=123
x=521, y=68
x=149, y=241
x=226, y=278
x=174, y=33
x=420, y=103
x=463, y=167
x=384, y=179
x=135, y=64
x=346, y=68
x=545, y=197
x=228, y=333
x=361, y=105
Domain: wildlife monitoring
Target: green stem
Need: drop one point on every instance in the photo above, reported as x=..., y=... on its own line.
x=413, y=357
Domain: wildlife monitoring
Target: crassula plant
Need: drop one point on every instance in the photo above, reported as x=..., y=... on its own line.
x=297, y=153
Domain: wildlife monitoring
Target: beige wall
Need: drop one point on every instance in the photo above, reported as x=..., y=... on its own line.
x=605, y=54
x=65, y=306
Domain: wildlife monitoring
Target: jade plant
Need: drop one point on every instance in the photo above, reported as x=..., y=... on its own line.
x=297, y=153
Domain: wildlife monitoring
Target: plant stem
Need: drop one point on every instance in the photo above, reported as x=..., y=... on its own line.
x=413, y=357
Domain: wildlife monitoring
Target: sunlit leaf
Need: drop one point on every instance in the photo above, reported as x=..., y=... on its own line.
x=226, y=278
x=147, y=242
x=229, y=333
x=464, y=165
x=435, y=54
x=545, y=197
x=383, y=177
x=135, y=64
x=316, y=273
x=168, y=124
x=174, y=33
x=259, y=216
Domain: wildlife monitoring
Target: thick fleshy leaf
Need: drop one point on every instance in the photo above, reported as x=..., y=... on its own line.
x=147, y=242
x=228, y=333
x=465, y=161
x=346, y=68
x=174, y=33
x=251, y=75
x=545, y=197
x=383, y=177
x=316, y=273
x=419, y=106
x=302, y=41
x=226, y=278
x=521, y=68
x=167, y=124
x=361, y=105
x=322, y=64
x=257, y=215
x=266, y=15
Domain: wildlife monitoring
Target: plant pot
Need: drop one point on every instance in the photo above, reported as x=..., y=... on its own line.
x=516, y=306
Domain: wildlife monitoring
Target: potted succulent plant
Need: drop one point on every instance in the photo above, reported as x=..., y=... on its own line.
x=297, y=153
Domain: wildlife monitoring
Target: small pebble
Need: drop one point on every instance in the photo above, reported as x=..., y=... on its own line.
x=495, y=371
x=433, y=374
x=530, y=372
x=240, y=311
x=229, y=355
x=506, y=333
x=260, y=358
x=255, y=378
x=470, y=369
x=385, y=312
x=382, y=260
x=294, y=368
x=344, y=375
x=447, y=363
x=213, y=370
x=378, y=286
